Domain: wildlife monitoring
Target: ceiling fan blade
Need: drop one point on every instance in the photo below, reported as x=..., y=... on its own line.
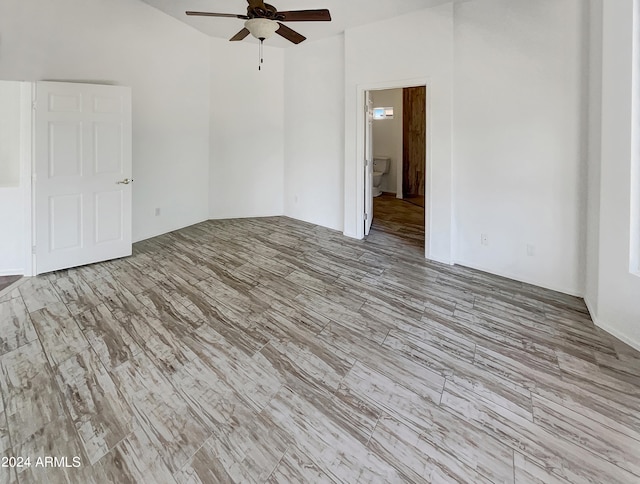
x=290, y=34
x=321, y=15
x=211, y=14
x=240, y=35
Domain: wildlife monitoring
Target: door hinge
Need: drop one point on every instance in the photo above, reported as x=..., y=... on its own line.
x=33, y=249
x=366, y=216
x=34, y=105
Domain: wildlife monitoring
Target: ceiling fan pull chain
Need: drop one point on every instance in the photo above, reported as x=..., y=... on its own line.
x=261, y=54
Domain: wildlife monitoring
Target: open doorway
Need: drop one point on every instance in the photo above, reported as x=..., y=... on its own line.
x=397, y=149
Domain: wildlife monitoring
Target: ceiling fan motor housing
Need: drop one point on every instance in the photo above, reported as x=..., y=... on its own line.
x=268, y=12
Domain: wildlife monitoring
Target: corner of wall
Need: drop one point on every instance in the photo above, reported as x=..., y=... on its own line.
x=612, y=295
x=314, y=132
x=594, y=146
x=246, y=137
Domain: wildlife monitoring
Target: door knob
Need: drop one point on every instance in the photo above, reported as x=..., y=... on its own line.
x=126, y=181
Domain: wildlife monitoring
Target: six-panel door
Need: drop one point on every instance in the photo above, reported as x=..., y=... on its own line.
x=82, y=166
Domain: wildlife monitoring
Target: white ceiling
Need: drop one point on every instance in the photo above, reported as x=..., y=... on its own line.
x=345, y=14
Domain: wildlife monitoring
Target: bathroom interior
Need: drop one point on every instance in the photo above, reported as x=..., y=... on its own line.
x=399, y=149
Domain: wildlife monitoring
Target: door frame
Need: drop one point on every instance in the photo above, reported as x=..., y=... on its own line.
x=360, y=154
x=368, y=170
x=27, y=98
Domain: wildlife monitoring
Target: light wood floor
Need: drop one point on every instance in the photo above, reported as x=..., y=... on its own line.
x=274, y=350
x=6, y=281
x=398, y=223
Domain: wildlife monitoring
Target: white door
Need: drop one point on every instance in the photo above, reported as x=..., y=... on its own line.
x=82, y=174
x=368, y=171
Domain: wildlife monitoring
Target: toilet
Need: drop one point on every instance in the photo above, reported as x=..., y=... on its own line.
x=380, y=168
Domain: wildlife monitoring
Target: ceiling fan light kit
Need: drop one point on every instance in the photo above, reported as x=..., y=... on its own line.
x=263, y=20
x=261, y=28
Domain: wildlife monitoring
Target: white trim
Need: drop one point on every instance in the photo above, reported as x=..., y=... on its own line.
x=26, y=171
x=617, y=334
x=518, y=278
x=361, y=89
x=12, y=272
x=610, y=329
x=442, y=261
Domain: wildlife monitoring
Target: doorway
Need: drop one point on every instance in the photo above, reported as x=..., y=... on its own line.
x=397, y=135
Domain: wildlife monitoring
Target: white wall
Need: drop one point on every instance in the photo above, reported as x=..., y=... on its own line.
x=314, y=132
x=615, y=305
x=387, y=138
x=519, y=164
x=12, y=230
x=9, y=134
x=247, y=131
x=12, y=184
x=415, y=46
x=165, y=62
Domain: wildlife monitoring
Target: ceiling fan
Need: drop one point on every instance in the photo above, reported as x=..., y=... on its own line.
x=263, y=20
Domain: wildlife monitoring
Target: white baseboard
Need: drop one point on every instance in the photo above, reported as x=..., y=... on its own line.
x=447, y=262
x=610, y=329
x=564, y=290
x=617, y=334
x=12, y=272
x=351, y=235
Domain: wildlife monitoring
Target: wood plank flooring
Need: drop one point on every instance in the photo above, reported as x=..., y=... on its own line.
x=6, y=281
x=398, y=222
x=272, y=350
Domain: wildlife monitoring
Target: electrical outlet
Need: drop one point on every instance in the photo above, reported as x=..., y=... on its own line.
x=157, y=211
x=484, y=239
x=531, y=250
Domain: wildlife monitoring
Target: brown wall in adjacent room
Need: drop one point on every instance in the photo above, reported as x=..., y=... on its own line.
x=414, y=140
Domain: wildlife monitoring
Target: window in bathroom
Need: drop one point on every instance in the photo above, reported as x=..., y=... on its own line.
x=383, y=113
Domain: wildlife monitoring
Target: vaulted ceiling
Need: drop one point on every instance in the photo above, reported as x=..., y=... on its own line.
x=345, y=14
